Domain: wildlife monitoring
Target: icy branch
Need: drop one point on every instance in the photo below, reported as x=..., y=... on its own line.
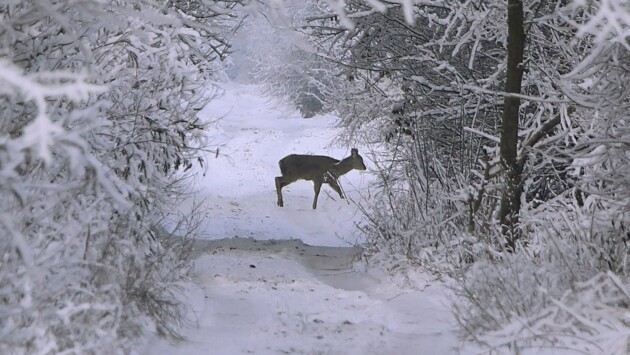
x=609, y=22
x=38, y=87
x=478, y=89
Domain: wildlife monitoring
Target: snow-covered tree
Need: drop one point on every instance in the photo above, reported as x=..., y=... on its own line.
x=429, y=87
x=99, y=102
x=491, y=143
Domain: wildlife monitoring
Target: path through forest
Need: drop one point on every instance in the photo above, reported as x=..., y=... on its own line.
x=271, y=280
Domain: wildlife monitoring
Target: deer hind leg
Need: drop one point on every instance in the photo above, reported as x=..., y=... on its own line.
x=280, y=183
x=335, y=186
x=318, y=187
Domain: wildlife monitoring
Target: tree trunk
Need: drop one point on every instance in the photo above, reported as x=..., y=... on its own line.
x=511, y=199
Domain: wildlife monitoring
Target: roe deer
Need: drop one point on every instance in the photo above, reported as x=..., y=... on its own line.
x=317, y=168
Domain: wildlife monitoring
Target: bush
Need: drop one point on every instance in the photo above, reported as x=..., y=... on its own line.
x=98, y=128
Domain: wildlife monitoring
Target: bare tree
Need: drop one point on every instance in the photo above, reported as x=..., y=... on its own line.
x=511, y=199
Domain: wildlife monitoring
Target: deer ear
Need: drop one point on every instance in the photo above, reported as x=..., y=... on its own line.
x=354, y=152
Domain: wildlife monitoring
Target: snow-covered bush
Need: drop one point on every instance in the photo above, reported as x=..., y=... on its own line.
x=98, y=107
x=558, y=291
x=569, y=286
x=590, y=318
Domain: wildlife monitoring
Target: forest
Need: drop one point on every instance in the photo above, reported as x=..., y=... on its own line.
x=500, y=128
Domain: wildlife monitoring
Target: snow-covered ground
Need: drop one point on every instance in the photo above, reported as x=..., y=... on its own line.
x=271, y=280
x=253, y=133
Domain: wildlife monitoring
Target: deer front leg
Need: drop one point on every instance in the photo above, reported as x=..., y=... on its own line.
x=318, y=187
x=335, y=186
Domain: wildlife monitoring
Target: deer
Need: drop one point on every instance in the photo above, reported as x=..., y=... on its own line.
x=319, y=169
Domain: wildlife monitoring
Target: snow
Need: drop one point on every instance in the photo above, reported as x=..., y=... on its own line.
x=254, y=133
x=272, y=280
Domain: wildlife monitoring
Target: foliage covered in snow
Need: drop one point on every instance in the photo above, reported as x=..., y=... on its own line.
x=430, y=102
x=98, y=108
x=99, y=126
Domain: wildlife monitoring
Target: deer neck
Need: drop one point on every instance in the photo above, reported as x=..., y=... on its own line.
x=341, y=168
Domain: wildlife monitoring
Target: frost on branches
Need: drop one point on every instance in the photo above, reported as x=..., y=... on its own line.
x=98, y=124
x=431, y=102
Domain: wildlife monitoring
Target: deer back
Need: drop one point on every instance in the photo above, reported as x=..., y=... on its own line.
x=307, y=167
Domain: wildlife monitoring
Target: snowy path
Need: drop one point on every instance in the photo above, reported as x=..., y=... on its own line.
x=272, y=280
x=253, y=134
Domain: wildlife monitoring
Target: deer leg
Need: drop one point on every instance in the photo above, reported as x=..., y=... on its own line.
x=279, y=185
x=318, y=187
x=335, y=186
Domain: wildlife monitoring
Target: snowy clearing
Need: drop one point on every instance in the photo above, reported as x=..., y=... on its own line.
x=253, y=133
x=272, y=280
